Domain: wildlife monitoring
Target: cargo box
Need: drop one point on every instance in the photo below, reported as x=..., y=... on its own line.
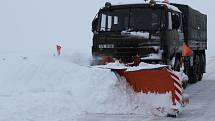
x=195, y=27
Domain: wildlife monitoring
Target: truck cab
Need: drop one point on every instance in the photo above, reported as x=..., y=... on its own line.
x=152, y=31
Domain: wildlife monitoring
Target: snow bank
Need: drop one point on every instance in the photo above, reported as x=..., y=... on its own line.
x=121, y=99
x=46, y=87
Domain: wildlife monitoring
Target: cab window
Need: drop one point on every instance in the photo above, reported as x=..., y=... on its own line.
x=175, y=21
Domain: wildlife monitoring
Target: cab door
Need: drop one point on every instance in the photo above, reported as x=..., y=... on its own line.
x=173, y=38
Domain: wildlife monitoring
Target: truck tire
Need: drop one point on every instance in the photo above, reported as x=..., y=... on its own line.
x=196, y=70
x=192, y=75
x=201, y=64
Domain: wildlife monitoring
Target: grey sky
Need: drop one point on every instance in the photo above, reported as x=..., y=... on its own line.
x=33, y=24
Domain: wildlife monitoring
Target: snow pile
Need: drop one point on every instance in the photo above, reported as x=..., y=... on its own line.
x=114, y=65
x=45, y=87
x=121, y=99
x=182, y=76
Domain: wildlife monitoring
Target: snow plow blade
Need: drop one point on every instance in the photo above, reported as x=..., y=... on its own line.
x=160, y=80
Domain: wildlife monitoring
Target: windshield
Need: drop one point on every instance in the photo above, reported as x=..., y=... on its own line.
x=136, y=19
x=116, y=20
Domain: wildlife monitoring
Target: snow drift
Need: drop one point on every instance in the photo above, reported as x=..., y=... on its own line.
x=46, y=87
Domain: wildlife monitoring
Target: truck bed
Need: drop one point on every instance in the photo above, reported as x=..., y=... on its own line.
x=195, y=27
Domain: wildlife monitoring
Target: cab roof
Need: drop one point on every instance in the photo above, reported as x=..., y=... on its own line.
x=136, y=5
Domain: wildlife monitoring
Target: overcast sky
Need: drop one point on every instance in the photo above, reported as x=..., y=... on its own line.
x=40, y=24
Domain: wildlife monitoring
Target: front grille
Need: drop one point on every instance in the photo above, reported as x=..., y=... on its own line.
x=125, y=48
x=126, y=54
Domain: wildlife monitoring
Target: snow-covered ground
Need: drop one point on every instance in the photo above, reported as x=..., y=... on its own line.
x=43, y=87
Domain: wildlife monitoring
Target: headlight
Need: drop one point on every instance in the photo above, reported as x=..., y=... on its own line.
x=101, y=46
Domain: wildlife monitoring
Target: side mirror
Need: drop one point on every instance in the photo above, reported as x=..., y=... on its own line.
x=176, y=22
x=95, y=24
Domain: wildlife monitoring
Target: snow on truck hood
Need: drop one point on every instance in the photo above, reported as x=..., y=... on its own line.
x=136, y=34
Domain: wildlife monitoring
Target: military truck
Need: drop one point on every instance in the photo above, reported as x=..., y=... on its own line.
x=153, y=31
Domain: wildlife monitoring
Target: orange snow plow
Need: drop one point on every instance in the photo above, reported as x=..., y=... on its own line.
x=152, y=79
x=159, y=80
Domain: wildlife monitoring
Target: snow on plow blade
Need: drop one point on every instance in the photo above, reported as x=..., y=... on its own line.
x=160, y=80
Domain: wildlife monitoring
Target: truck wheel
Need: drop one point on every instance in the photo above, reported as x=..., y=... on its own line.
x=196, y=71
x=199, y=68
x=201, y=64
x=192, y=75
